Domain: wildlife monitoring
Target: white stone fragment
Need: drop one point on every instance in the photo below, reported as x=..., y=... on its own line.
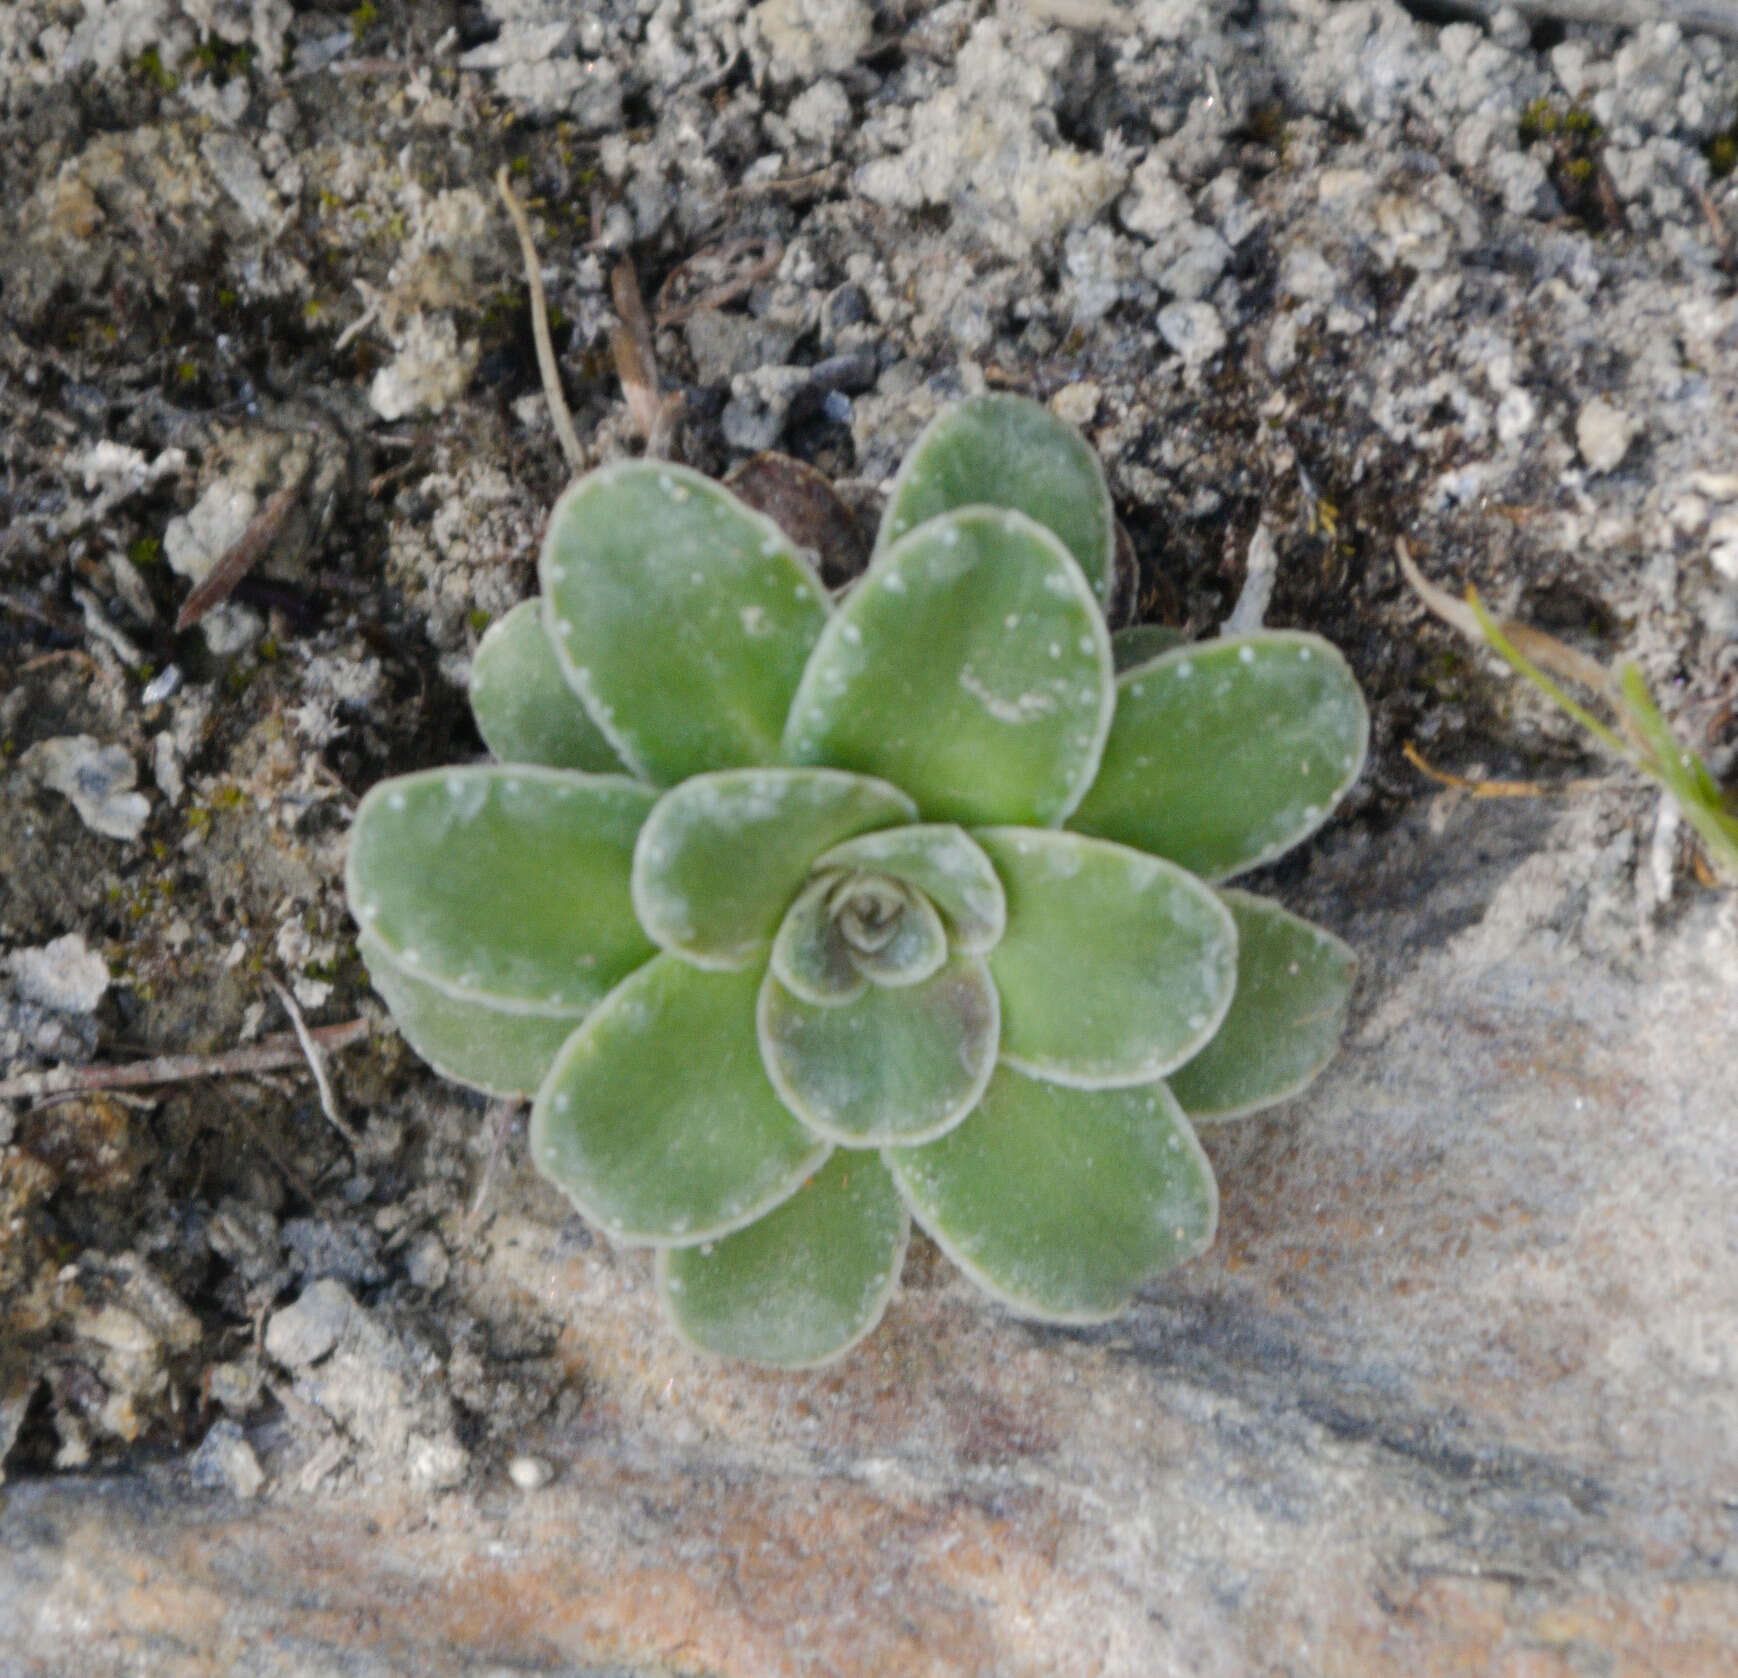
x=196, y=540
x=303, y=1333
x=529, y=1473
x=1602, y=433
x=430, y=370
x=806, y=39
x=65, y=975
x=1194, y=331
x=225, y=1462
x=98, y=779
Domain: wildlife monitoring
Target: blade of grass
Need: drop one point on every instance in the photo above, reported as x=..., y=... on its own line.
x=1682, y=773
x=1646, y=742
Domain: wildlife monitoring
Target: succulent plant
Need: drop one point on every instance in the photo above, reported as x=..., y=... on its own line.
x=802, y=919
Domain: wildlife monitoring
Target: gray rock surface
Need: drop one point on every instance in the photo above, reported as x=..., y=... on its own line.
x=1454, y=1391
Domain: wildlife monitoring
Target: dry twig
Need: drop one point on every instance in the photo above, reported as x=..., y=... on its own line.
x=269, y=1055
x=546, y=366
x=1489, y=789
x=654, y=417
x=316, y=1059
x=767, y=254
x=501, y=1115
x=220, y=581
x=1542, y=649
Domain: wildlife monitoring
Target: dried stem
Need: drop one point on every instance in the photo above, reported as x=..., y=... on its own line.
x=1490, y=789
x=316, y=1059
x=654, y=417
x=219, y=582
x=271, y=1054
x=540, y=327
x=501, y=1114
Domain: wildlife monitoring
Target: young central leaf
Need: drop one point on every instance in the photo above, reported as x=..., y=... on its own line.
x=809, y=952
x=867, y=910
x=891, y=932
x=722, y=855
x=941, y=862
x=971, y=667
x=681, y=618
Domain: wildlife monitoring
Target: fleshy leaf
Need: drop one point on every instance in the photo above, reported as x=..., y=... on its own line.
x=1143, y=641
x=802, y=1285
x=1061, y=1202
x=657, y=1119
x=943, y=863
x=1008, y=451
x=1294, y=980
x=808, y=952
x=915, y=942
x=722, y=855
x=525, y=710
x=1226, y=753
x=896, y=1065
x=505, y=1051
x=681, y=618
x=505, y=884
x=1115, y=967
x=971, y=667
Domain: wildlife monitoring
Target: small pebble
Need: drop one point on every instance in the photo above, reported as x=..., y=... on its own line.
x=530, y=1474
x=1602, y=433
x=306, y=1331
x=225, y=1462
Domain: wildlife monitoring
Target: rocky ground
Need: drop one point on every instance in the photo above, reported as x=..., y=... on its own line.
x=290, y=1392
